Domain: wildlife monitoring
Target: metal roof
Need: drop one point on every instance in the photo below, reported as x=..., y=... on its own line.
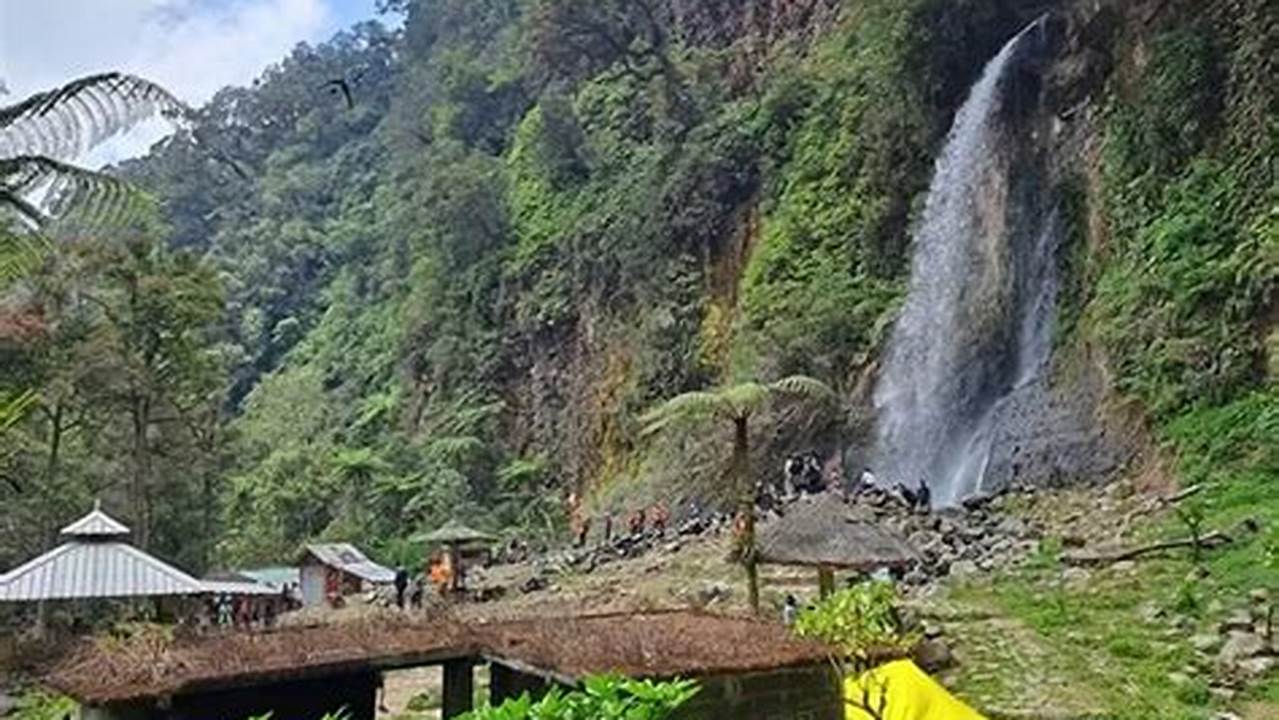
x=81, y=570
x=96, y=524
x=276, y=577
x=348, y=558
x=228, y=587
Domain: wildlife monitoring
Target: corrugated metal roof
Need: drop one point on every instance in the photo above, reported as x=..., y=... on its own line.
x=237, y=588
x=348, y=558
x=96, y=524
x=276, y=577
x=81, y=570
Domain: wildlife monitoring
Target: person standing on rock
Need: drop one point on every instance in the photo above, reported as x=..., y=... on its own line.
x=924, y=497
x=608, y=527
x=416, y=594
x=659, y=517
x=867, y=480
x=790, y=611
x=401, y=586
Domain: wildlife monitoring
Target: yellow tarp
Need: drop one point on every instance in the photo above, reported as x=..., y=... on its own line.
x=906, y=693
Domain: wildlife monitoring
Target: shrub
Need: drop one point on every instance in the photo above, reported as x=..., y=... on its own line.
x=601, y=698
x=861, y=620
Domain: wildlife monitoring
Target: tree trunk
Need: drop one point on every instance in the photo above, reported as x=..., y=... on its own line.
x=141, y=411
x=746, y=508
x=55, y=445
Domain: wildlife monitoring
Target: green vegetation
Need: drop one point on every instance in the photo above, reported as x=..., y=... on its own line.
x=600, y=698
x=736, y=405
x=40, y=705
x=862, y=620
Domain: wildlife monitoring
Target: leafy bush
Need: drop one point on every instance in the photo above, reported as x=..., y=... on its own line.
x=40, y=705
x=601, y=698
x=861, y=620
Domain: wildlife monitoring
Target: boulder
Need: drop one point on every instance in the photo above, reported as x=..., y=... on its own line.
x=1255, y=667
x=963, y=569
x=1240, y=646
x=1206, y=643
x=934, y=656
x=1075, y=577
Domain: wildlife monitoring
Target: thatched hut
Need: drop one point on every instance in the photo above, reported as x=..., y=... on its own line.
x=460, y=543
x=823, y=533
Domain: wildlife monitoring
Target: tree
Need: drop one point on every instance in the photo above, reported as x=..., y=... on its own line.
x=736, y=405
x=40, y=136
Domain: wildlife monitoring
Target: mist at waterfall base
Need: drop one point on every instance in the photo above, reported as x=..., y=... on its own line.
x=977, y=322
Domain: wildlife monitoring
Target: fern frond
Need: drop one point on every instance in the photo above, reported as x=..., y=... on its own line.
x=71, y=120
x=804, y=387
x=455, y=448
x=43, y=189
x=684, y=408
x=13, y=407
x=20, y=254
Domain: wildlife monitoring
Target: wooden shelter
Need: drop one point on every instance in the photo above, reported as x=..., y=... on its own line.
x=330, y=571
x=748, y=669
x=458, y=541
x=823, y=533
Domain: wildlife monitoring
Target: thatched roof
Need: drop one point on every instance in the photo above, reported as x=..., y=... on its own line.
x=823, y=532
x=566, y=649
x=455, y=533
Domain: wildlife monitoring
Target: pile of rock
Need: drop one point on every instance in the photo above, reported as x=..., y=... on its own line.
x=1246, y=642
x=963, y=541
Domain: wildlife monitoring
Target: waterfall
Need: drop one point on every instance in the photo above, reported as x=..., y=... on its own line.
x=977, y=321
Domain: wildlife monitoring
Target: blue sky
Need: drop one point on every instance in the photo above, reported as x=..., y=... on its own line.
x=192, y=47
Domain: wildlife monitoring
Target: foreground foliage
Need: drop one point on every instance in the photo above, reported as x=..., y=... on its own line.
x=600, y=698
x=862, y=620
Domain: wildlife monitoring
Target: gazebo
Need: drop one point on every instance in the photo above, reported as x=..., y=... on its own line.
x=456, y=537
x=95, y=562
x=823, y=534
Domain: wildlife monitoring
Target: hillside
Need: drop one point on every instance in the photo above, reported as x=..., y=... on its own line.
x=456, y=296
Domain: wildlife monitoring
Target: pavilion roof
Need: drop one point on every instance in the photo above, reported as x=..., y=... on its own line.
x=823, y=532
x=97, y=569
x=96, y=524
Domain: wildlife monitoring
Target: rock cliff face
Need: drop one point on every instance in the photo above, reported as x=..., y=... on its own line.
x=577, y=386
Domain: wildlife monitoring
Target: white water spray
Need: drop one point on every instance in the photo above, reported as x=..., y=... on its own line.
x=977, y=320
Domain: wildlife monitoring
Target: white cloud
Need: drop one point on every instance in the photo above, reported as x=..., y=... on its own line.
x=193, y=47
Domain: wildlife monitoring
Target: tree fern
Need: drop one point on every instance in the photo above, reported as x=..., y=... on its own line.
x=736, y=405
x=69, y=121
x=42, y=134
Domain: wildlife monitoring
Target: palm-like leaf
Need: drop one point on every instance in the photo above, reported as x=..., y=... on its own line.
x=42, y=189
x=684, y=408
x=455, y=448
x=802, y=387
x=14, y=407
x=71, y=120
x=19, y=255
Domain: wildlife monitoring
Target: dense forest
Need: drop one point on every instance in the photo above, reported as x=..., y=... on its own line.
x=456, y=295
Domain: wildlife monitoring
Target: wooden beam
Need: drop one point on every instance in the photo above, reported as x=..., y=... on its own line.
x=459, y=687
x=825, y=582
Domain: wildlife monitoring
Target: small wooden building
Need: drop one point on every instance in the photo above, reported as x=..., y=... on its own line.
x=331, y=571
x=746, y=669
x=822, y=533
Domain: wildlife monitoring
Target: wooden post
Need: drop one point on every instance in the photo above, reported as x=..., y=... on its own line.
x=459, y=687
x=825, y=582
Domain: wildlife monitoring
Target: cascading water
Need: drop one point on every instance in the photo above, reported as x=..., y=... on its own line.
x=977, y=319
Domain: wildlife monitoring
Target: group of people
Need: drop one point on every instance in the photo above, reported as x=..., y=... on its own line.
x=443, y=571
x=246, y=612
x=654, y=518
x=919, y=498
